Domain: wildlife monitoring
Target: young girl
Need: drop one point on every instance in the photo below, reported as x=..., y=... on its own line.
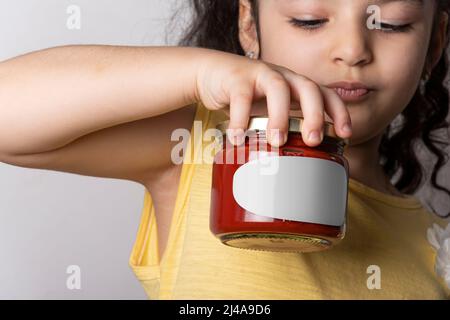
x=109, y=111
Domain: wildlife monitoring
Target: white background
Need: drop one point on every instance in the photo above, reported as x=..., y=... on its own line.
x=50, y=220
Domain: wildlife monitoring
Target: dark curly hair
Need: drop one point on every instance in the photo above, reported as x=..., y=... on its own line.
x=214, y=25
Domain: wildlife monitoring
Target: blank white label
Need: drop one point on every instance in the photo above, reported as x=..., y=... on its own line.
x=293, y=188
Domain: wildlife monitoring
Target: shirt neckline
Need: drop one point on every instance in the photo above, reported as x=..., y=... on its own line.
x=407, y=201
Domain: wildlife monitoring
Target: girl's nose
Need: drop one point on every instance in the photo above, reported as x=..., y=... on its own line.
x=350, y=45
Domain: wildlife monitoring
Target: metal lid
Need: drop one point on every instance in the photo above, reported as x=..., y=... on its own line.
x=295, y=125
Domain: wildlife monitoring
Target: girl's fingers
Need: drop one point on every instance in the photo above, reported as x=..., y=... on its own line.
x=335, y=107
x=278, y=86
x=240, y=107
x=312, y=105
x=277, y=91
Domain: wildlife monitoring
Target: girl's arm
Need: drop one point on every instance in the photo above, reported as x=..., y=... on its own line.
x=51, y=97
x=95, y=109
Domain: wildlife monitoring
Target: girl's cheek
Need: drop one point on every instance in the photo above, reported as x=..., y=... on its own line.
x=400, y=64
x=400, y=78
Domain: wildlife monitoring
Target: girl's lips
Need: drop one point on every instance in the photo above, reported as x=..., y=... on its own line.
x=352, y=94
x=350, y=91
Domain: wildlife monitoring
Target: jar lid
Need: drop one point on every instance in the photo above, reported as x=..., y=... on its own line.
x=295, y=125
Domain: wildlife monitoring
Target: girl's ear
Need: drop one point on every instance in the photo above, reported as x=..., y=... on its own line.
x=439, y=42
x=248, y=35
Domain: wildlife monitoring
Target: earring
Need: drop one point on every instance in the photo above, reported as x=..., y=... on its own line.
x=250, y=54
x=423, y=83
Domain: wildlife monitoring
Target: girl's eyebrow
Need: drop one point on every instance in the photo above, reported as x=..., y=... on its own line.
x=412, y=2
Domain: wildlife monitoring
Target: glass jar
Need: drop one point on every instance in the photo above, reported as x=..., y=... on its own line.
x=291, y=198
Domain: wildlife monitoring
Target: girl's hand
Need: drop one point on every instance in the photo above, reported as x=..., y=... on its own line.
x=231, y=81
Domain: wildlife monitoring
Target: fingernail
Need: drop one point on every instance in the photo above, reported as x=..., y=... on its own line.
x=236, y=136
x=314, y=136
x=277, y=138
x=346, y=128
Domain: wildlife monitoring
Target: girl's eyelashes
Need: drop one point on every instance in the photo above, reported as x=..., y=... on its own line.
x=394, y=28
x=307, y=24
x=310, y=25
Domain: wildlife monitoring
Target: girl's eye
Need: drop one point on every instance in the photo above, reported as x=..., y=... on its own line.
x=308, y=24
x=317, y=23
x=394, y=28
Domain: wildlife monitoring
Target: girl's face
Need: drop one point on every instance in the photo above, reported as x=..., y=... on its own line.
x=339, y=46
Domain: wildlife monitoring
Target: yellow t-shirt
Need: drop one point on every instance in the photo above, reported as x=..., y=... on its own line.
x=384, y=231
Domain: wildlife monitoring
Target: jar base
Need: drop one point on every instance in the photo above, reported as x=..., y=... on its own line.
x=278, y=242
